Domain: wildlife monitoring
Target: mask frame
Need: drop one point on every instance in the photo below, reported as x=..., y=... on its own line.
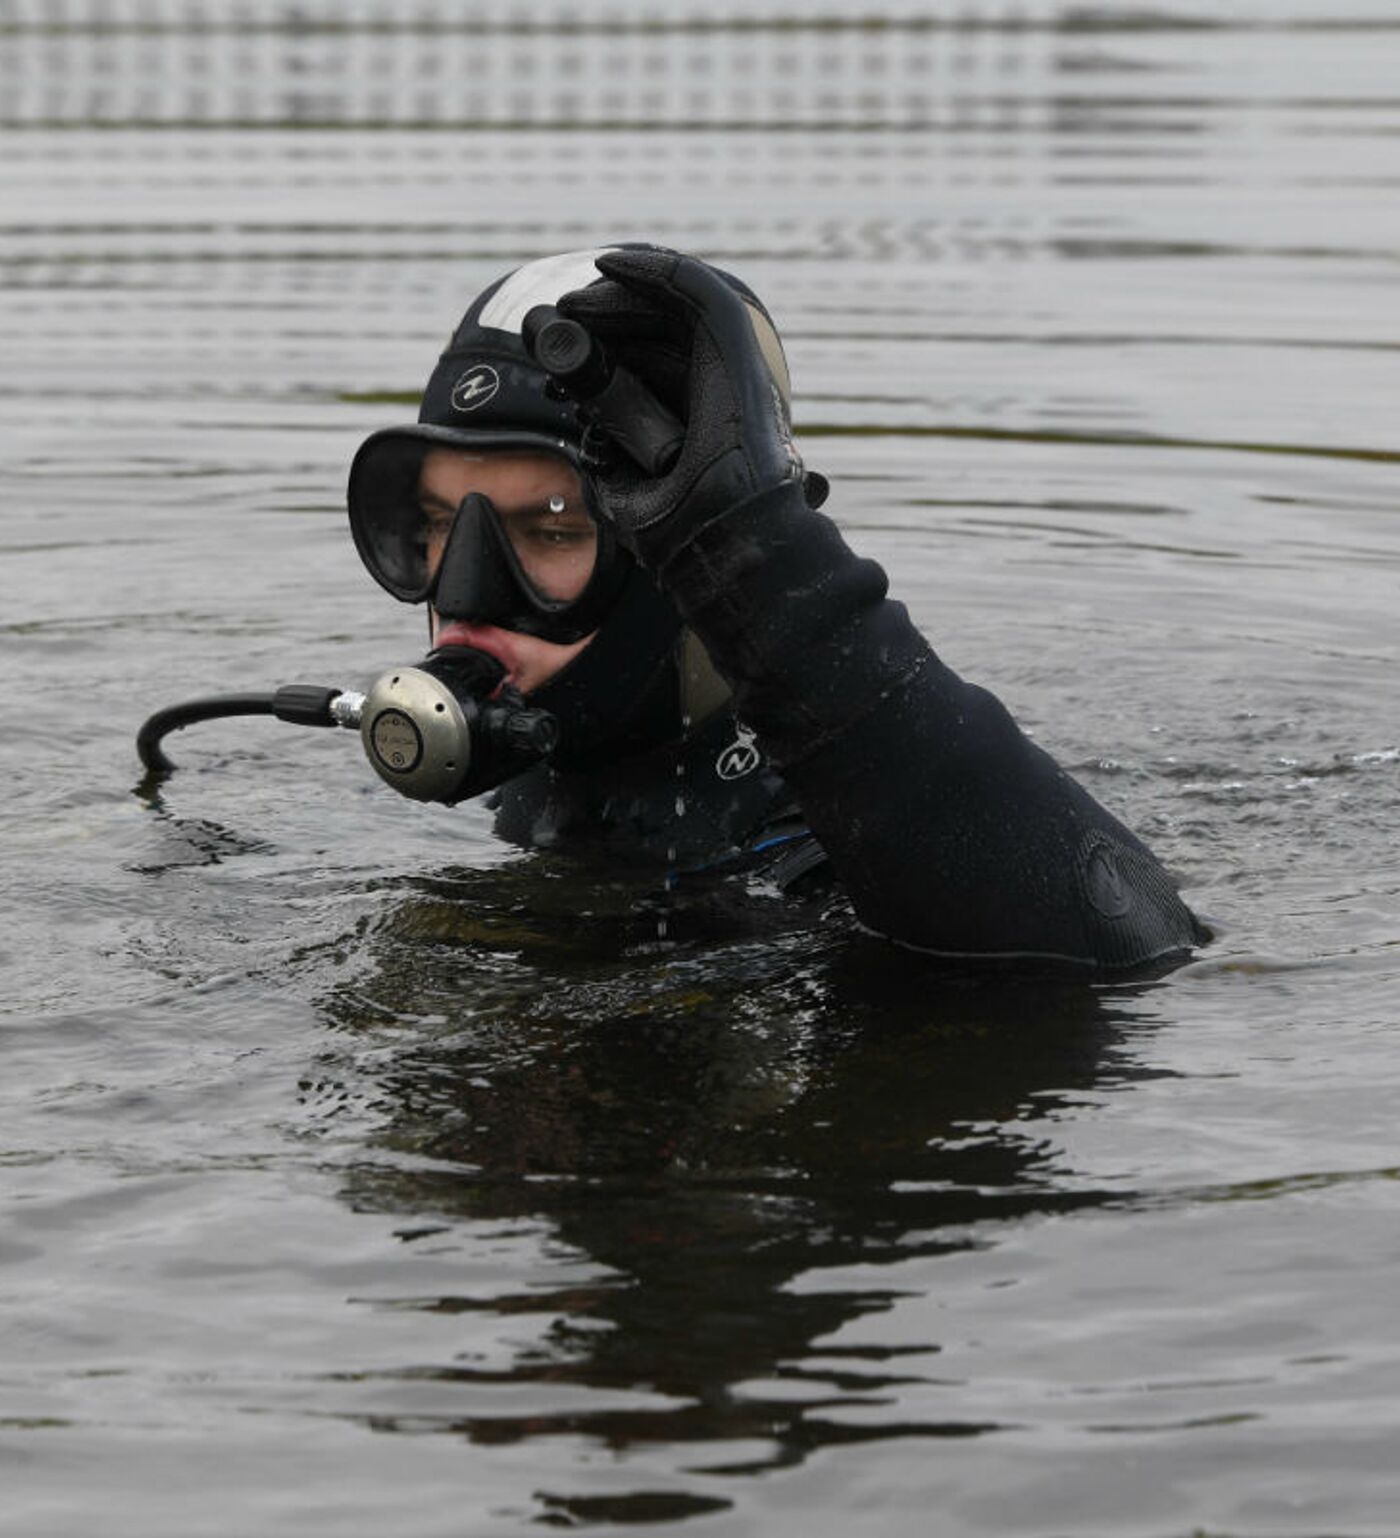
x=480, y=577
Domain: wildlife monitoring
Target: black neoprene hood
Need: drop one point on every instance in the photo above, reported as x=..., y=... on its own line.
x=485, y=381
x=486, y=392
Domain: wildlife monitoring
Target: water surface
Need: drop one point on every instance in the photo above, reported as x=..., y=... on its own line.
x=362, y=1174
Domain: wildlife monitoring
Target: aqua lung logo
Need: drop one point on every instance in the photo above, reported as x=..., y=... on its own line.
x=397, y=741
x=475, y=387
x=741, y=757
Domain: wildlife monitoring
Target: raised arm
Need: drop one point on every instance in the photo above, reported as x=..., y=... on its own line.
x=949, y=829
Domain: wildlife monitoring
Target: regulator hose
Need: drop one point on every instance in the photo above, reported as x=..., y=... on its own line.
x=442, y=731
x=302, y=704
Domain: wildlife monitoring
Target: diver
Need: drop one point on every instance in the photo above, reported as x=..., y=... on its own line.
x=728, y=684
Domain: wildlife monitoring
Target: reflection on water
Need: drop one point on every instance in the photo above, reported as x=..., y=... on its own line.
x=361, y=1175
x=702, y=1124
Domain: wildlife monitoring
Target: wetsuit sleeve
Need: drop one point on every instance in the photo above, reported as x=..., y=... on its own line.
x=949, y=829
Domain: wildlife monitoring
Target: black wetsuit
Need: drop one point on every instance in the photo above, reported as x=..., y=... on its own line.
x=947, y=828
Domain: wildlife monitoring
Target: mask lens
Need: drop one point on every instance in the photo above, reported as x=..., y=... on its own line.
x=392, y=531
x=554, y=540
x=498, y=534
x=404, y=498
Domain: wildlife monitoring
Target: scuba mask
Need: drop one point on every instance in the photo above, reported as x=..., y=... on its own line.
x=496, y=534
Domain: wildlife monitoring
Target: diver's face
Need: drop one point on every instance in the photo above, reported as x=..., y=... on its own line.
x=539, y=501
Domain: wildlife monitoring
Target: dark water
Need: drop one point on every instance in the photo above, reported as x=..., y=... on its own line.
x=361, y=1175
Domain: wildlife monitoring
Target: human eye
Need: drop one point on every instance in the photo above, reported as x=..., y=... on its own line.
x=429, y=531
x=435, y=515
x=561, y=537
x=552, y=526
x=433, y=524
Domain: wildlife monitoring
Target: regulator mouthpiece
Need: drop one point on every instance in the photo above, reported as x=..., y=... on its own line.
x=444, y=730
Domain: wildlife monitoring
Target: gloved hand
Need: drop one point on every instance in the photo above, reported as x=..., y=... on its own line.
x=714, y=359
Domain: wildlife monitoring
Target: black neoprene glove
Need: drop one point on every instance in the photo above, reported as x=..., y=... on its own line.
x=712, y=356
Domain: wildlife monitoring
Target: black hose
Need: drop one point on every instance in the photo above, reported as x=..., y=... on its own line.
x=174, y=717
x=301, y=704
